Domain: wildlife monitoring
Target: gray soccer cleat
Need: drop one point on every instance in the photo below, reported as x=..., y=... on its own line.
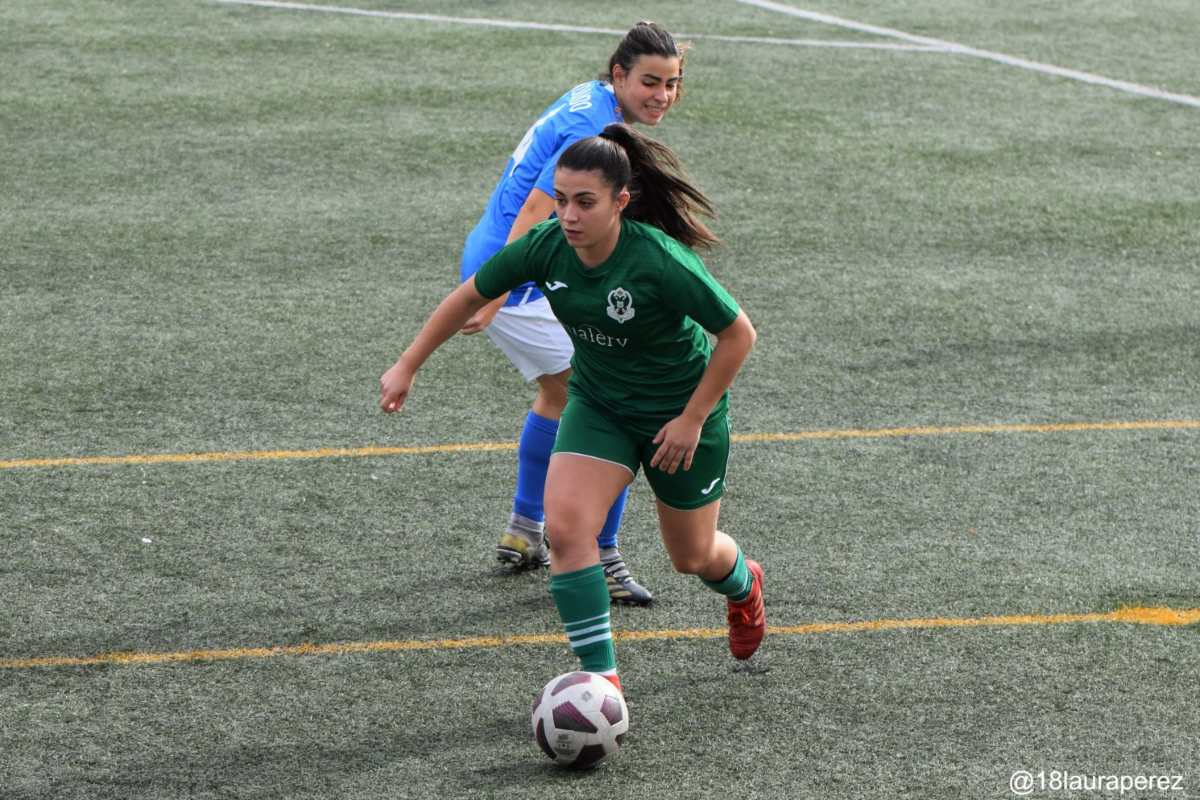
x=523, y=546
x=622, y=588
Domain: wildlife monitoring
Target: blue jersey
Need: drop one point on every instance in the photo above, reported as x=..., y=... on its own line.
x=582, y=112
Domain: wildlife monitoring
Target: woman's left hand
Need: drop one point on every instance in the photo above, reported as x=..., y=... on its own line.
x=676, y=442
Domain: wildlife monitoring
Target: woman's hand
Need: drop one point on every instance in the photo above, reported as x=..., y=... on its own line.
x=394, y=386
x=676, y=442
x=445, y=321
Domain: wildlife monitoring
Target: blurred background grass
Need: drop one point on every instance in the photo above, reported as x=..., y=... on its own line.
x=221, y=224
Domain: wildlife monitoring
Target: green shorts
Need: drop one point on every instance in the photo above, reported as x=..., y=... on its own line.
x=589, y=431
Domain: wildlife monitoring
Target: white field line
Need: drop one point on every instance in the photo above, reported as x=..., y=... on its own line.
x=544, y=26
x=1001, y=58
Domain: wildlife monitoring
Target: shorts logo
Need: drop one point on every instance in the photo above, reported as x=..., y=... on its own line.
x=711, y=486
x=620, y=305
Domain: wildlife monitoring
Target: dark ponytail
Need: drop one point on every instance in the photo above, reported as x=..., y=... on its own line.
x=646, y=39
x=660, y=193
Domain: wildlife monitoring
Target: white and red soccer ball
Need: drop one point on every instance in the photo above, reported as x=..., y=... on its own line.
x=579, y=718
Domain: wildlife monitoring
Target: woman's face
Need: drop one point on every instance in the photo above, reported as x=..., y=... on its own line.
x=648, y=90
x=588, y=213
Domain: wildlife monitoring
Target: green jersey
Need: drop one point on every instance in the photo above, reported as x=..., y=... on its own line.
x=637, y=321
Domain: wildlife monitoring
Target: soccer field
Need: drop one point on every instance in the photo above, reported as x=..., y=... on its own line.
x=967, y=444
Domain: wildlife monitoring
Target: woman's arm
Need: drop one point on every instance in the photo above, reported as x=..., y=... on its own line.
x=537, y=208
x=677, y=439
x=443, y=323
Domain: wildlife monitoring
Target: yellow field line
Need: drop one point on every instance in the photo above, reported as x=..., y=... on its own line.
x=256, y=455
x=363, y=452
x=1138, y=616
x=897, y=433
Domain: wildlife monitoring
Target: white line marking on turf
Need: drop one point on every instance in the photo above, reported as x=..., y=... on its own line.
x=363, y=12
x=1001, y=58
x=546, y=26
x=718, y=37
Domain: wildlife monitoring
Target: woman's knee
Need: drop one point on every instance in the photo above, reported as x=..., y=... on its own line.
x=567, y=528
x=571, y=546
x=565, y=533
x=690, y=563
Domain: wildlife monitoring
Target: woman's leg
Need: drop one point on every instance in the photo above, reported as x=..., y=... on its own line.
x=696, y=547
x=579, y=492
x=551, y=397
x=540, y=349
x=693, y=542
x=520, y=544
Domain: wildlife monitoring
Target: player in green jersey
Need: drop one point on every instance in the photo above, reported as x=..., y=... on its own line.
x=648, y=390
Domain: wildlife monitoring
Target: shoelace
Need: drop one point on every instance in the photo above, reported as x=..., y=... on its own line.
x=617, y=570
x=741, y=615
x=745, y=613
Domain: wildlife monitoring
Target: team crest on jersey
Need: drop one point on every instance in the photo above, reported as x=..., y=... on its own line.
x=620, y=305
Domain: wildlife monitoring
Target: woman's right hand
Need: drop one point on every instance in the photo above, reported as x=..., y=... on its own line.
x=394, y=386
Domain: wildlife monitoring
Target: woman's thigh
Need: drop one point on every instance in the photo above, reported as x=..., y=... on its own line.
x=579, y=492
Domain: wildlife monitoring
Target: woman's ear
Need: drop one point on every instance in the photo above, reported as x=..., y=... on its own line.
x=622, y=199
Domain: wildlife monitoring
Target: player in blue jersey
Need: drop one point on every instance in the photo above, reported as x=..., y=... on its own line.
x=643, y=81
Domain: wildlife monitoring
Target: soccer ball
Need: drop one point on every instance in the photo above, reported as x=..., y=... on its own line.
x=579, y=718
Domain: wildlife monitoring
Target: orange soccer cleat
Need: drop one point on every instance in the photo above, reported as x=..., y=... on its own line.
x=748, y=618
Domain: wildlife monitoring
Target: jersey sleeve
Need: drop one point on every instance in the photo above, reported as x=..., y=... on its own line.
x=516, y=263
x=691, y=289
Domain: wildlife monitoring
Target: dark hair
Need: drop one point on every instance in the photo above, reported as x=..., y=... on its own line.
x=645, y=39
x=660, y=193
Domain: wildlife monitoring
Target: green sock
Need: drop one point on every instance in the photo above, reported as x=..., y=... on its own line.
x=737, y=584
x=582, y=600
